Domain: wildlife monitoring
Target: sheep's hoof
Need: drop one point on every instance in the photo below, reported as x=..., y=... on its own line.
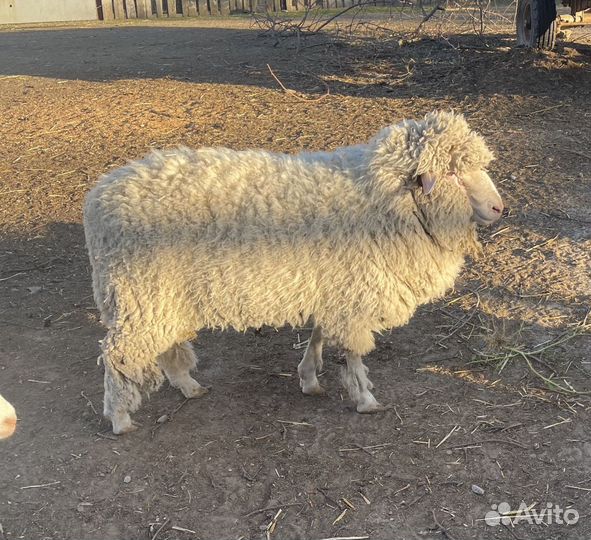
x=313, y=390
x=123, y=424
x=193, y=390
x=371, y=407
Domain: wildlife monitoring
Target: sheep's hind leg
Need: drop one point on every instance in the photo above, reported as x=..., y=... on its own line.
x=122, y=397
x=311, y=363
x=358, y=385
x=177, y=364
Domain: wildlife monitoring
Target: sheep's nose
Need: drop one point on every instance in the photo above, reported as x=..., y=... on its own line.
x=498, y=209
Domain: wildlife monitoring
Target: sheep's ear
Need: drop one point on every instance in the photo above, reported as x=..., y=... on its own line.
x=428, y=182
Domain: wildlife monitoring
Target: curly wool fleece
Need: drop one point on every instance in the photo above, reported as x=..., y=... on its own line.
x=187, y=239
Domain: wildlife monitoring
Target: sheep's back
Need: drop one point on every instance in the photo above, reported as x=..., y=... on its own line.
x=215, y=194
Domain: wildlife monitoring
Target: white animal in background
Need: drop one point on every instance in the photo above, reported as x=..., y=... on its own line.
x=7, y=419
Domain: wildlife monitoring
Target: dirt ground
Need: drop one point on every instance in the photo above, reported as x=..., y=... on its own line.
x=76, y=101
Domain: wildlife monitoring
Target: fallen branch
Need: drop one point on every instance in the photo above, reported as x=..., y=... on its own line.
x=166, y=522
x=437, y=8
x=309, y=24
x=41, y=485
x=297, y=94
x=528, y=355
x=443, y=530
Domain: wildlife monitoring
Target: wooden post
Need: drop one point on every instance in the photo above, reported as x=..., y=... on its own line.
x=213, y=7
x=192, y=8
x=159, y=9
x=141, y=9
x=142, y=12
x=108, y=14
x=171, y=8
x=224, y=7
x=119, y=9
x=130, y=9
x=203, y=11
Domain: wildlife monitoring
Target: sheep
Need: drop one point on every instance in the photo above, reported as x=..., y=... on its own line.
x=7, y=418
x=356, y=239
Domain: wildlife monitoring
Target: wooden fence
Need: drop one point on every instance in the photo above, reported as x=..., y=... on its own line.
x=146, y=9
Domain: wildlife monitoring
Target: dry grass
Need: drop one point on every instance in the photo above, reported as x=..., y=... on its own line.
x=503, y=347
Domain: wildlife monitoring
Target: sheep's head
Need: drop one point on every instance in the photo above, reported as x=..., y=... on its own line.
x=439, y=148
x=449, y=150
x=7, y=419
x=486, y=203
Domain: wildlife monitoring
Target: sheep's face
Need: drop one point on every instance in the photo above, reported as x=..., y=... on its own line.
x=486, y=203
x=484, y=198
x=7, y=419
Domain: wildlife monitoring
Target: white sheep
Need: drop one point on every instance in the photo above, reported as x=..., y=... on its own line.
x=7, y=418
x=357, y=239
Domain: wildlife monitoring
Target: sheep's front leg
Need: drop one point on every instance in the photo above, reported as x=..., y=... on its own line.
x=311, y=363
x=358, y=385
